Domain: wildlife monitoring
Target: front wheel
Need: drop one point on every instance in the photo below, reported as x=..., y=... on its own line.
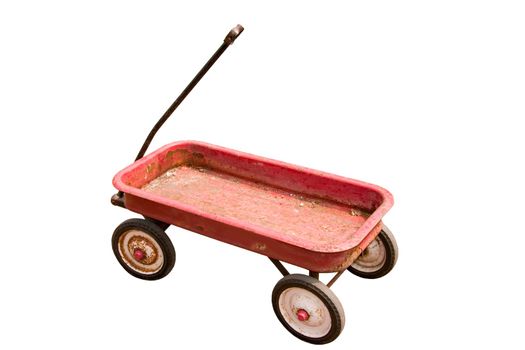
x=379, y=258
x=164, y=226
x=308, y=309
x=143, y=249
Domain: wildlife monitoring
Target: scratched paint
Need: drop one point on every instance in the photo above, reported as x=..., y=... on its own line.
x=319, y=220
x=308, y=218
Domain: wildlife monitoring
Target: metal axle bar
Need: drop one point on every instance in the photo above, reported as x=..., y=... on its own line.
x=279, y=266
x=337, y=275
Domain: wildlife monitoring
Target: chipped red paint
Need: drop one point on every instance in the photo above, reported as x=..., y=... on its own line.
x=302, y=216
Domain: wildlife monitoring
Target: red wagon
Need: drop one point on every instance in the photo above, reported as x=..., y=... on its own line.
x=318, y=221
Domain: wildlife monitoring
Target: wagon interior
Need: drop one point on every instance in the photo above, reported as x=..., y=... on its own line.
x=263, y=194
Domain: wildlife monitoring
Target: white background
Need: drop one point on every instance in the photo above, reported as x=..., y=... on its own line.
x=423, y=98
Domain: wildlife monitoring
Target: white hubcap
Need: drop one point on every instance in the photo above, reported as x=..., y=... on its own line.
x=372, y=258
x=141, y=252
x=294, y=301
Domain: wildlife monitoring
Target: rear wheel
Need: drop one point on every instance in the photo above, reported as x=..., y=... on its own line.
x=308, y=309
x=379, y=258
x=143, y=249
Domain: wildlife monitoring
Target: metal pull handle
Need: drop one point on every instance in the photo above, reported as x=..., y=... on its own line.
x=233, y=34
x=118, y=199
x=228, y=40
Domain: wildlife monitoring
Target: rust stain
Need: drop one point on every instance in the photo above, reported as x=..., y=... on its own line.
x=350, y=258
x=171, y=154
x=197, y=156
x=323, y=222
x=145, y=245
x=260, y=246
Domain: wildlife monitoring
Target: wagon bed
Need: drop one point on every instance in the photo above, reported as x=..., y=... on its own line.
x=306, y=217
x=320, y=221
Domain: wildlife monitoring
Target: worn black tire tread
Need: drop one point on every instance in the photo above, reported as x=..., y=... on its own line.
x=164, y=226
x=324, y=293
x=158, y=234
x=387, y=238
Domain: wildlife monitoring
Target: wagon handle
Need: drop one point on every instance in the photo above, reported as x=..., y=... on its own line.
x=228, y=40
x=118, y=198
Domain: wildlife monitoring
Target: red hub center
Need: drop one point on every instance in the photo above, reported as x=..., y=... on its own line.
x=302, y=315
x=138, y=254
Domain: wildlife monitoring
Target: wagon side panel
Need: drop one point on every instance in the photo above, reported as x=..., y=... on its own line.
x=242, y=237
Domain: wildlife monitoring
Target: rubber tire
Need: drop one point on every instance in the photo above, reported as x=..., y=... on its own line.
x=324, y=293
x=160, y=237
x=391, y=251
x=164, y=226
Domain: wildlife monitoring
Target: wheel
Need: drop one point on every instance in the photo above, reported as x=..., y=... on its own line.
x=378, y=258
x=308, y=309
x=164, y=226
x=143, y=249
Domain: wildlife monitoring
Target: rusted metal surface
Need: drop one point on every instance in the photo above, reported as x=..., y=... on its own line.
x=324, y=223
x=140, y=251
x=308, y=218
